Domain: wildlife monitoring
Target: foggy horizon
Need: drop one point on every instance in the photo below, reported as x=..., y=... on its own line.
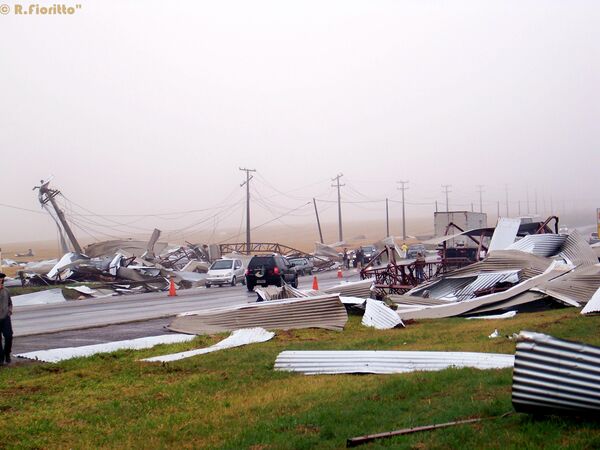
x=144, y=114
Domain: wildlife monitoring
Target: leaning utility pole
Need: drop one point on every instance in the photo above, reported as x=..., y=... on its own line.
x=403, y=188
x=47, y=195
x=480, y=190
x=338, y=185
x=318, y=221
x=506, y=193
x=446, y=188
x=387, y=219
x=247, y=183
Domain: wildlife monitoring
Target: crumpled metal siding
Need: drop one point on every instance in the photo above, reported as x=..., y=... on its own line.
x=577, y=251
x=380, y=316
x=484, y=281
x=553, y=375
x=443, y=288
x=360, y=289
x=238, y=338
x=576, y=286
x=502, y=260
x=593, y=306
x=540, y=244
x=386, y=362
x=325, y=311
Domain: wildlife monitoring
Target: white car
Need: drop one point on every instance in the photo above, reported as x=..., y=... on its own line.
x=225, y=271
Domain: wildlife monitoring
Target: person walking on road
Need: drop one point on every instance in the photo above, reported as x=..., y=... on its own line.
x=346, y=259
x=6, y=307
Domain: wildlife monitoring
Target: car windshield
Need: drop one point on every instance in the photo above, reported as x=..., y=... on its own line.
x=368, y=249
x=297, y=262
x=221, y=264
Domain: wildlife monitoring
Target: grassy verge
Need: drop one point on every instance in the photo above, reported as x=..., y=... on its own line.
x=234, y=399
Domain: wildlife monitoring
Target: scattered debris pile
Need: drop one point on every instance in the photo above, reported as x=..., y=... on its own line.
x=548, y=267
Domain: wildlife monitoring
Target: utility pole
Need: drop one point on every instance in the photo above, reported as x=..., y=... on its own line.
x=387, y=219
x=446, y=191
x=527, y=192
x=472, y=207
x=247, y=183
x=535, y=200
x=318, y=221
x=338, y=185
x=47, y=195
x=403, y=188
x=480, y=190
x=519, y=208
x=436, y=207
x=498, y=213
x=506, y=193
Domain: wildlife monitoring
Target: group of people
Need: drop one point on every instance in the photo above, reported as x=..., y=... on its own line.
x=5, y=322
x=357, y=261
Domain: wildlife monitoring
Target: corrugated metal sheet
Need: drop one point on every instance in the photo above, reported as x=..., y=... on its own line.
x=521, y=299
x=380, y=316
x=39, y=298
x=503, y=260
x=576, y=287
x=506, y=315
x=385, y=362
x=577, y=251
x=504, y=234
x=593, y=306
x=553, y=375
x=412, y=300
x=458, y=308
x=540, y=244
x=360, y=289
x=325, y=311
x=442, y=288
x=61, y=354
x=486, y=281
x=238, y=338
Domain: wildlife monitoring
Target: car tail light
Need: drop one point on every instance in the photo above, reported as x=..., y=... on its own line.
x=276, y=270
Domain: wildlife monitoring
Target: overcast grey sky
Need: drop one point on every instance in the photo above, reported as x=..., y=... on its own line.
x=150, y=107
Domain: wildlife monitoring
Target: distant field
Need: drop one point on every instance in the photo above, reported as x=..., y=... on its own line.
x=302, y=237
x=234, y=399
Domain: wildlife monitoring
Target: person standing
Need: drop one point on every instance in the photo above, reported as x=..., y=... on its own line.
x=6, y=307
x=346, y=259
x=419, y=266
x=405, y=249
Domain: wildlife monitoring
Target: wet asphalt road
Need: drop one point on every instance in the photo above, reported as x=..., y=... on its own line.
x=95, y=321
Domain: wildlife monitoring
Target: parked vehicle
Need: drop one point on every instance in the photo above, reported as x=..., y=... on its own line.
x=414, y=250
x=225, y=271
x=270, y=270
x=368, y=252
x=303, y=266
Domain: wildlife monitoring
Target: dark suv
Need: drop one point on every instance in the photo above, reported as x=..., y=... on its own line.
x=274, y=269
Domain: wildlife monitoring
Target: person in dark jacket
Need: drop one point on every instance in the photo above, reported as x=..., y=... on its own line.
x=6, y=307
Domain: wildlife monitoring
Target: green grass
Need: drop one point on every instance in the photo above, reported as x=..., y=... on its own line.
x=234, y=399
